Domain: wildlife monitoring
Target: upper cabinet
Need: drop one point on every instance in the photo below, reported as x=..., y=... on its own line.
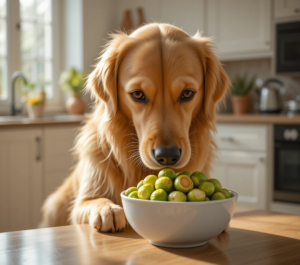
x=287, y=9
x=241, y=29
x=188, y=15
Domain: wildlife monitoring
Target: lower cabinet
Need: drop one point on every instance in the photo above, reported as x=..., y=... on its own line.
x=245, y=173
x=33, y=162
x=244, y=162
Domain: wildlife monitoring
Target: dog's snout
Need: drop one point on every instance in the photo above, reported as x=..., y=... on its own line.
x=167, y=155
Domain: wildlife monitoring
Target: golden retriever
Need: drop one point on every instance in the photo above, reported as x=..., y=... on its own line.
x=156, y=91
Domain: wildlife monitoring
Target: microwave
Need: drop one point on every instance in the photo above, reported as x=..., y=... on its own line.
x=288, y=48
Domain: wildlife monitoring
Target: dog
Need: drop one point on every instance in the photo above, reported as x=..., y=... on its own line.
x=155, y=91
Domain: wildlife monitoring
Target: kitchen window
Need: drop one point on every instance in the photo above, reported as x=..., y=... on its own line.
x=29, y=41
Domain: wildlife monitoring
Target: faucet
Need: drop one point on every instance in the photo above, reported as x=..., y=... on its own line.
x=14, y=77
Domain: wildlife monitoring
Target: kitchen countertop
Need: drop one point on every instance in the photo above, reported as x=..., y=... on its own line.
x=258, y=118
x=255, y=237
x=24, y=121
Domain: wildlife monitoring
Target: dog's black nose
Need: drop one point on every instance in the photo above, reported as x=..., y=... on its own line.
x=167, y=155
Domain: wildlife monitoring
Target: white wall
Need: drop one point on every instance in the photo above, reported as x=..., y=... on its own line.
x=98, y=22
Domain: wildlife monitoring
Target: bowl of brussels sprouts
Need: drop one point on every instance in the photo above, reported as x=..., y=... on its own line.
x=178, y=210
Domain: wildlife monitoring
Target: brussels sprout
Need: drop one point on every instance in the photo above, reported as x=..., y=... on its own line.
x=150, y=180
x=159, y=195
x=196, y=195
x=164, y=183
x=226, y=193
x=207, y=187
x=183, y=183
x=145, y=191
x=177, y=196
x=217, y=184
x=134, y=195
x=197, y=176
x=167, y=172
x=218, y=196
x=140, y=184
x=186, y=173
x=128, y=191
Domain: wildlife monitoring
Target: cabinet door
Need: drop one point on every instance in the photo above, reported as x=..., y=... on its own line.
x=245, y=173
x=287, y=9
x=57, y=155
x=188, y=15
x=20, y=179
x=239, y=27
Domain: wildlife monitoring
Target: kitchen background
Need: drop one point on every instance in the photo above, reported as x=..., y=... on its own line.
x=44, y=38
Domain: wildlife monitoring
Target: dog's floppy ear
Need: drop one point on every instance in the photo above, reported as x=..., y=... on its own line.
x=102, y=82
x=216, y=80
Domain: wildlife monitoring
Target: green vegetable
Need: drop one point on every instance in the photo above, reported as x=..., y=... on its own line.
x=164, y=183
x=183, y=183
x=167, y=172
x=145, y=191
x=128, y=191
x=159, y=195
x=177, y=196
x=134, y=195
x=196, y=195
x=197, y=176
x=218, y=196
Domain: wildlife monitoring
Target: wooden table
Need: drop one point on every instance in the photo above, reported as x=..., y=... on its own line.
x=255, y=237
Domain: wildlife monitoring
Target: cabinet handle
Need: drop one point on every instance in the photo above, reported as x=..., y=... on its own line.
x=226, y=139
x=39, y=148
x=296, y=10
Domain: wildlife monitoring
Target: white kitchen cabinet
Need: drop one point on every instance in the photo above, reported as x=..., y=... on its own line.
x=187, y=15
x=242, y=29
x=33, y=162
x=20, y=178
x=287, y=9
x=58, y=160
x=245, y=173
x=244, y=162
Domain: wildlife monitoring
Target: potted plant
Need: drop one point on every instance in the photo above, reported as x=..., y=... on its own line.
x=72, y=81
x=35, y=98
x=239, y=94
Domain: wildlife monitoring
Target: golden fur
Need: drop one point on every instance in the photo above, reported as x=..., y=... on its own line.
x=114, y=148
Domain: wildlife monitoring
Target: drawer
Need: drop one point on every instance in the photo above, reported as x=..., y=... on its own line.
x=242, y=137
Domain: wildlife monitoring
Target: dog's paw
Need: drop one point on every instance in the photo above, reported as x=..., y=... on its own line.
x=111, y=218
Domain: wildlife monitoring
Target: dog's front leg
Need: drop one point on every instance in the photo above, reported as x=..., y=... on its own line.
x=102, y=214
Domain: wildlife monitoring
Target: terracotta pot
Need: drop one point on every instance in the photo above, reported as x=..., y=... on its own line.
x=35, y=111
x=240, y=104
x=75, y=104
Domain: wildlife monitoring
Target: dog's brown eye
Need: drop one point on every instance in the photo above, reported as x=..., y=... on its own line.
x=187, y=94
x=138, y=96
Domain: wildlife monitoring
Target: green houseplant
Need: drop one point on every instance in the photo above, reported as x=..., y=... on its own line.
x=72, y=81
x=240, y=89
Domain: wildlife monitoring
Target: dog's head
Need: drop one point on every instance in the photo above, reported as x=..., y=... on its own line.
x=161, y=79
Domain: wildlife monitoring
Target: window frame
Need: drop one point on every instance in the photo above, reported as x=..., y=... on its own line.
x=13, y=36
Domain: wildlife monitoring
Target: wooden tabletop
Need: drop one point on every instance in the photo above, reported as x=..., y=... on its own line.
x=255, y=237
x=258, y=118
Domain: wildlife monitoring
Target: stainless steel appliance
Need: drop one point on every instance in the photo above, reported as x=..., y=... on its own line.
x=270, y=96
x=287, y=163
x=293, y=106
x=288, y=48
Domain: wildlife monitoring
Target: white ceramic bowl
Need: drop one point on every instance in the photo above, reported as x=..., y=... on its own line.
x=178, y=224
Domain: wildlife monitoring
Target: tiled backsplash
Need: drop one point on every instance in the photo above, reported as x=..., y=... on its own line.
x=259, y=68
